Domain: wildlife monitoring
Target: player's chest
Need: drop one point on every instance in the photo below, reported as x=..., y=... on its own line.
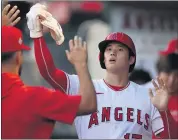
x=122, y=100
x=120, y=109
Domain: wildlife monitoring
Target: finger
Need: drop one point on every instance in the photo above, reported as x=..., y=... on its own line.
x=48, y=14
x=71, y=45
x=6, y=9
x=14, y=15
x=67, y=54
x=85, y=45
x=10, y=13
x=15, y=21
x=151, y=93
x=80, y=42
x=41, y=17
x=159, y=82
x=4, y=3
x=75, y=41
x=38, y=24
x=162, y=82
x=155, y=85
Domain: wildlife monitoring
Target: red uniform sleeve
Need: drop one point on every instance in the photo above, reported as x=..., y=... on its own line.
x=55, y=77
x=55, y=105
x=170, y=126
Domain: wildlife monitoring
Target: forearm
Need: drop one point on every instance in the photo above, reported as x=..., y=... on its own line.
x=86, y=90
x=43, y=57
x=56, y=78
x=170, y=126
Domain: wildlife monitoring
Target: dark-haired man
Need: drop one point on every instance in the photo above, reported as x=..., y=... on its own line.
x=167, y=67
x=30, y=112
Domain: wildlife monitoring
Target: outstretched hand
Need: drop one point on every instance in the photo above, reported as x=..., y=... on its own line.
x=10, y=17
x=161, y=98
x=77, y=53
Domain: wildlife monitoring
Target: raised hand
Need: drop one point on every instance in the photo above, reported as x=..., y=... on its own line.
x=161, y=98
x=10, y=17
x=33, y=21
x=77, y=53
x=48, y=21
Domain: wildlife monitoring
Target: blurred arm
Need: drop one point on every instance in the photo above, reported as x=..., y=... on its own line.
x=170, y=127
x=55, y=105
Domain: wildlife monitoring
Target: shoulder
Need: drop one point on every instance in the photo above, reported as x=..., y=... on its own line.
x=142, y=94
x=39, y=90
x=97, y=80
x=139, y=89
x=148, y=85
x=98, y=83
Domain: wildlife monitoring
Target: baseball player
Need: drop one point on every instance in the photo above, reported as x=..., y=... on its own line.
x=124, y=109
x=167, y=68
x=171, y=48
x=162, y=65
x=170, y=116
x=30, y=112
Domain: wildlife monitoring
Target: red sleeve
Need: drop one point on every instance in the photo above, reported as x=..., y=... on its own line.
x=55, y=77
x=170, y=126
x=55, y=105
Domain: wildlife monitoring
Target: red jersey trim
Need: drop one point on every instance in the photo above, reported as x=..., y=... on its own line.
x=118, y=89
x=47, y=67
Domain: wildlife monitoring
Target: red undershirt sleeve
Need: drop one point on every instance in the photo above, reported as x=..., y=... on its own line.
x=55, y=77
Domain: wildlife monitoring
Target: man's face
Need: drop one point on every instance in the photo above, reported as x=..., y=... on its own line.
x=172, y=82
x=116, y=57
x=164, y=76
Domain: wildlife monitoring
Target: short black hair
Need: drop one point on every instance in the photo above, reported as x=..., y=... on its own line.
x=140, y=75
x=167, y=63
x=6, y=56
x=173, y=61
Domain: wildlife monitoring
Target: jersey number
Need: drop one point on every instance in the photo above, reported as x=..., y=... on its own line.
x=133, y=136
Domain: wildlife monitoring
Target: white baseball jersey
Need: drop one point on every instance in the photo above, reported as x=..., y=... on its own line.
x=149, y=85
x=127, y=113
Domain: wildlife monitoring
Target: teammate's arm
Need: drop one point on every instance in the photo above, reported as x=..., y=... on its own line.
x=57, y=106
x=170, y=126
x=56, y=77
x=156, y=122
x=77, y=55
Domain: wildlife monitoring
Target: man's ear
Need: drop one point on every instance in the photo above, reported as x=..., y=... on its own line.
x=18, y=57
x=131, y=60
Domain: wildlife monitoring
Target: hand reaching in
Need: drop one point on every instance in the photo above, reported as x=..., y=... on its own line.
x=161, y=98
x=10, y=17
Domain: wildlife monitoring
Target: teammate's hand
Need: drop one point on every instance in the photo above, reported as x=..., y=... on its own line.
x=77, y=53
x=47, y=20
x=161, y=98
x=10, y=17
x=33, y=21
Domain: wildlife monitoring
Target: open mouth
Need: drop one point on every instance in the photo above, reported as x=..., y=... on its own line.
x=112, y=60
